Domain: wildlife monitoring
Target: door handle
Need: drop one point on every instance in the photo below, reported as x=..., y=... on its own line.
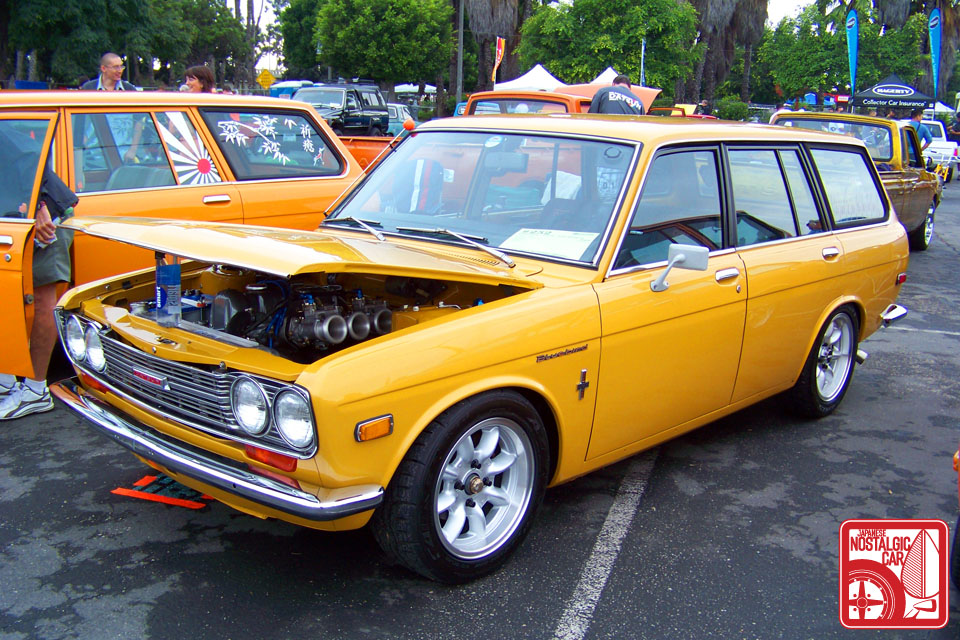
x=6, y=240
x=726, y=274
x=216, y=199
x=830, y=252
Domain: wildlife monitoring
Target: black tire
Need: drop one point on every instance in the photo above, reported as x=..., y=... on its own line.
x=502, y=429
x=949, y=175
x=829, y=367
x=375, y=131
x=922, y=236
x=955, y=556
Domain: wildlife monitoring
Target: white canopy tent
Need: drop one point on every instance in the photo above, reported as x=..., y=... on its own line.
x=537, y=79
x=606, y=76
x=414, y=88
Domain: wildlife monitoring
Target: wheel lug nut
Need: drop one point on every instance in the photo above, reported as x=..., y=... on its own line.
x=458, y=485
x=475, y=464
x=470, y=503
x=487, y=482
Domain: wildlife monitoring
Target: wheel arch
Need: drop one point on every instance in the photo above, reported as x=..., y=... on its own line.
x=536, y=396
x=853, y=303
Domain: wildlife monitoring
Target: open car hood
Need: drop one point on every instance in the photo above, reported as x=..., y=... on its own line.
x=288, y=252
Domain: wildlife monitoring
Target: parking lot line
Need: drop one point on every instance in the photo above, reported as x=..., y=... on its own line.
x=578, y=613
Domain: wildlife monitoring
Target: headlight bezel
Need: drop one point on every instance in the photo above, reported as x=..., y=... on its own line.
x=92, y=335
x=261, y=392
x=310, y=427
x=73, y=323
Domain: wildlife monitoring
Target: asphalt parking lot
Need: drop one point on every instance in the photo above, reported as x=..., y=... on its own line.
x=728, y=532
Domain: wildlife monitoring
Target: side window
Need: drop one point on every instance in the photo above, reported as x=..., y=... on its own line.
x=911, y=150
x=807, y=217
x=352, y=103
x=679, y=204
x=21, y=143
x=115, y=151
x=188, y=153
x=761, y=196
x=371, y=99
x=852, y=194
x=268, y=145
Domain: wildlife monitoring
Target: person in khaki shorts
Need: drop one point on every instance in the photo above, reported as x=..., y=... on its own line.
x=51, y=265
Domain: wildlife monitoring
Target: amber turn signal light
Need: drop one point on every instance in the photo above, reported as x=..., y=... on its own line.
x=374, y=428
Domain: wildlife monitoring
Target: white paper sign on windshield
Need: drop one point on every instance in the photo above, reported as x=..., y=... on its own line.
x=550, y=242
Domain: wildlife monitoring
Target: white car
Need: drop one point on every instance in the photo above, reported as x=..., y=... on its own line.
x=942, y=151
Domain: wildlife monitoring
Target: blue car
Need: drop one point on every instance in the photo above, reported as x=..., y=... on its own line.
x=398, y=115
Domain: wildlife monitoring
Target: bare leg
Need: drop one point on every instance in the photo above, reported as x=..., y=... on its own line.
x=44, y=336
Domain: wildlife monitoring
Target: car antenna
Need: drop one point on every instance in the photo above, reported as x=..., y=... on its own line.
x=408, y=126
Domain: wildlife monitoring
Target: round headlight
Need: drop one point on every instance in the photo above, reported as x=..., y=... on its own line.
x=94, y=347
x=249, y=404
x=75, y=340
x=292, y=414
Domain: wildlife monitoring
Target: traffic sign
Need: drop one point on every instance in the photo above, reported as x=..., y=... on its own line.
x=265, y=79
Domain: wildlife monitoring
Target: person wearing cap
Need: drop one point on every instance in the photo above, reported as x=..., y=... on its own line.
x=617, y=98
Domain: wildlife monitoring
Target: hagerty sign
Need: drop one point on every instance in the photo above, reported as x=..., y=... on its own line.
x=892, y=93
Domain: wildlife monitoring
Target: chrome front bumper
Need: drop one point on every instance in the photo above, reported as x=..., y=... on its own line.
x=215, y=471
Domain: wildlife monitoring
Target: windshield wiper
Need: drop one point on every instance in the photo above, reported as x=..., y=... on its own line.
x=476, y=241
x=366, y=225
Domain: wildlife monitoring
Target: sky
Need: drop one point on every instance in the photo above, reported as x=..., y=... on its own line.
x=780, y=9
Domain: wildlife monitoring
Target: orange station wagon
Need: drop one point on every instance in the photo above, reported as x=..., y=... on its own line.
x=187, y=157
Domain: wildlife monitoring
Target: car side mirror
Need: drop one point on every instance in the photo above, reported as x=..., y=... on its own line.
x=684, y=256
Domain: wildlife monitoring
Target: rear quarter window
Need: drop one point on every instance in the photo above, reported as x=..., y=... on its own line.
x=261, y=145
x=853, y=196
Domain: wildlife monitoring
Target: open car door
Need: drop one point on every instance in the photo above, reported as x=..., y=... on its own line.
x=25, y=142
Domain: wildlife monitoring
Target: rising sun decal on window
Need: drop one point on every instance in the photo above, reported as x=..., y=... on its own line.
x=190, y=158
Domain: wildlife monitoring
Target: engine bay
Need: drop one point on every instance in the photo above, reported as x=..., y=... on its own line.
x=308, y=316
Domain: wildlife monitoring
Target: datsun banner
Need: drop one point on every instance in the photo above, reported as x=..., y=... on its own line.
x=853, y=31
x=935, y=26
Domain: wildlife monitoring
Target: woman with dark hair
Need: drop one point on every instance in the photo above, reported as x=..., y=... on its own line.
x=199, y=79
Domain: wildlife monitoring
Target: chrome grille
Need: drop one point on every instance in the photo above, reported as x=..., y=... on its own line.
x=190, y=394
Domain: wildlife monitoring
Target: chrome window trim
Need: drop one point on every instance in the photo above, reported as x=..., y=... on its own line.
x=636, y=200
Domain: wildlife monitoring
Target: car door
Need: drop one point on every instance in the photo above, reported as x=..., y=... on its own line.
x=148, y=163
x=286, y=166
x=793, y=262
x=919, y=184
x=25, y=142
x=668, y=357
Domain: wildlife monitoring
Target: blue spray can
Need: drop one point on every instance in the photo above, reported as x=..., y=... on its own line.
x=168, y=293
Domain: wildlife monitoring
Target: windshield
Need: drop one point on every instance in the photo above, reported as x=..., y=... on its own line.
x=876, y=137
x=542, y=195
x=330, y=98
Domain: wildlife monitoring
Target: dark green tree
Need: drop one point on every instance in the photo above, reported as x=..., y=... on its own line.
x=298, y=22
x=387, y=40
x=579, y=40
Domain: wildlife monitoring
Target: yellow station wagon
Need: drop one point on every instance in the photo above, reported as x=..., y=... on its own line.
x=506, y=303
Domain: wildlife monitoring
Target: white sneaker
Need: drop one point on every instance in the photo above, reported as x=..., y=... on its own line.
x=22, y=401
x=7, y=384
